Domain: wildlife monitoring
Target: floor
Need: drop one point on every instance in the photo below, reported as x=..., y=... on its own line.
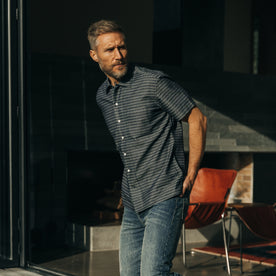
x=106, y=264
x=17, y=272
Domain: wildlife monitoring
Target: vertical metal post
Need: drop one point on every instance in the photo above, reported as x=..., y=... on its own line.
x=10, y=144
x=11, y=81
x=225, y=245
x=241, y=263
x=230, y=226
x=21, y=118
x=184, y=244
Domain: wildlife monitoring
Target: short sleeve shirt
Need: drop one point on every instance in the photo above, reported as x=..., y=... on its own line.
x=143, y=113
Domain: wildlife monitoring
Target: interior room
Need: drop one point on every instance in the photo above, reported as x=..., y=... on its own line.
x=65, y=184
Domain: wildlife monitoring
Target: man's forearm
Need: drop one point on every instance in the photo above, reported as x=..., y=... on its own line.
x=197, y=139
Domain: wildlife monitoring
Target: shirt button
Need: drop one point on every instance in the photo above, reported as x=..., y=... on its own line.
x=124, y=154
x=119, y=121
x=123, y=137
x=116, y=104
x=128, y=170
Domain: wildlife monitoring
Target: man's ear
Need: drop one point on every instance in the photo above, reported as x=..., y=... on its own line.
x=93, y=55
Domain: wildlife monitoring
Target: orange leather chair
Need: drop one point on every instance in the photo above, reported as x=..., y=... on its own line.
x=259, y=218
x=208, y=200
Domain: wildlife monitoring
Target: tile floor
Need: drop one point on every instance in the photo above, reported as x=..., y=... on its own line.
x=198, y=264
x=106, y=264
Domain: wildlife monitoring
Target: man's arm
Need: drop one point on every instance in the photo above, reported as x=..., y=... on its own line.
x=197, y=137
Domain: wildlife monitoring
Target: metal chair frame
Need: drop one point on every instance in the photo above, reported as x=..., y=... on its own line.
x=215, y=210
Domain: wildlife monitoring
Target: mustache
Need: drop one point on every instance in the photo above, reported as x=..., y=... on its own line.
x=119, y=63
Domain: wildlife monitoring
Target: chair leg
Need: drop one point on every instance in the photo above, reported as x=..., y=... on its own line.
x=225, y=245
x=230, y=227
x=184, y=244
x=241, y=262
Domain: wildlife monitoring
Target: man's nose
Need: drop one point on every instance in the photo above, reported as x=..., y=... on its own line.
x=118, y=54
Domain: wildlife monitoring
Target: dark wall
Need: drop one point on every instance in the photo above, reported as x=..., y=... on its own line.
x=203, y=34
x=60, y=27
x=264, y=177
x=63, y=116
x=238, y=40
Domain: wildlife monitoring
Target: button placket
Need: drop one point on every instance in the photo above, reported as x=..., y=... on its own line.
x=117, y=105
x=116, y=97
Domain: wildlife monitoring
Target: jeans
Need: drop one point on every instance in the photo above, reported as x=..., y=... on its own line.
x=148, y=240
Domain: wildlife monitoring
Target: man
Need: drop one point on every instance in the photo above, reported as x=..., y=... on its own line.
x=143, y=110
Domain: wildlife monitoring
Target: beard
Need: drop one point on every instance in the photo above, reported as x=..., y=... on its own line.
x=118, y=74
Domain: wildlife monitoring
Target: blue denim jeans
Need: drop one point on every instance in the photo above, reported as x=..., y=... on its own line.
x=149, y=239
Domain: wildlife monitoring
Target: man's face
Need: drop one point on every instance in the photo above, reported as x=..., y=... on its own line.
x=111, y=55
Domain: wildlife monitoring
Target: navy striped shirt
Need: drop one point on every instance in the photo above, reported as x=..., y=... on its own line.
x=143, y=113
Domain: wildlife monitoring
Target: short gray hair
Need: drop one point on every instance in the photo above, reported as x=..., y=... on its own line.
x=102, y=27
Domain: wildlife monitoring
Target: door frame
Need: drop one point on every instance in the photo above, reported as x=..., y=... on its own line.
x=10, y=192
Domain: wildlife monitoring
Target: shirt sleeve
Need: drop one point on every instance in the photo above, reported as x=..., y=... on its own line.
x=173, y=98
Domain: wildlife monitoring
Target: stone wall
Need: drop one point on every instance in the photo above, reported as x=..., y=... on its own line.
x=242, y=189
